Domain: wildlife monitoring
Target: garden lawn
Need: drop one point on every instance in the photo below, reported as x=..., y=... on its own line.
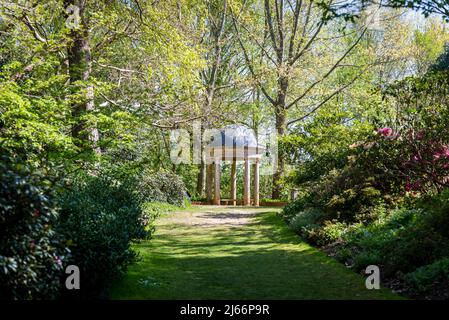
x=235, y=253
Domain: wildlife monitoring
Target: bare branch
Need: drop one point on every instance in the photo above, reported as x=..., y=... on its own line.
x=118, y=69
x=329, y=72
x=339, y=90
x=295, y=28
x=269, y=21
x=26, y=20
x=248, y=62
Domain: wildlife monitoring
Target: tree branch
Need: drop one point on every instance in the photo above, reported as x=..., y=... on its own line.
x=329, y=72
x=326, y=99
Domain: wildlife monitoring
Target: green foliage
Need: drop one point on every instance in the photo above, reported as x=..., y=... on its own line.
x=100, y=217
x=269, y=200
x=401, y=239
x=330, y=232
x=423, y=279
x=160, y=187
x=33, y=126
x=152, y=210
x=430, y=46
x=292, y=208
x=31, y=253
x=304, y=222
x=386, y=204
x=345, y=194
x=189, y=174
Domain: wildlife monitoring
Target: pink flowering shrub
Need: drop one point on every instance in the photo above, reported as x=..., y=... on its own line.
x=411, y=154
x=386, y=131
x=414, y=161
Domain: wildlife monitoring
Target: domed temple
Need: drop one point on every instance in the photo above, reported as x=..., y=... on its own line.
x=233, y=144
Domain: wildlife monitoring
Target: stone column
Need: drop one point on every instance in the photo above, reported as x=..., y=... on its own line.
x=234, y=182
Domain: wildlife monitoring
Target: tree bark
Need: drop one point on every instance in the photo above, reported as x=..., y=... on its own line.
x=247, y=183
x=80, y=69
x=200, y=183
x=209, y=183
x=281, y=123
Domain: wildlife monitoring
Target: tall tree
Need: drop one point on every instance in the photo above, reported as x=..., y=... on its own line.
x=213, y=40
x=79, y=58
x=219, y=76
x=290, y=35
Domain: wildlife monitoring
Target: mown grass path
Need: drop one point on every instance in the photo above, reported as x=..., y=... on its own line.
x=235, y=253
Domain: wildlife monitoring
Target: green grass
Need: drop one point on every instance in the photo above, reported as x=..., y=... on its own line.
x=262, y=259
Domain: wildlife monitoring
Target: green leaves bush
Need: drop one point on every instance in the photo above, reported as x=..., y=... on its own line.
x=400, y=241
x=93, y=225
x=160, y=187
x=387, y=203
x=426, y=277
x=31, y=254
x=305, y=221
x=100, y=217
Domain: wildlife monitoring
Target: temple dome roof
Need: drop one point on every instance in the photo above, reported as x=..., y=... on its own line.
x=234, y=141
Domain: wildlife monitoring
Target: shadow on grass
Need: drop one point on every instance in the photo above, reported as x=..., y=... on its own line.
x=258, y=260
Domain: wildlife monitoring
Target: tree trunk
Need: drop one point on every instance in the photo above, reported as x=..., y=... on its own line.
x=281, y=119
x=200, y=182
x=209, y=183
x=80, y=68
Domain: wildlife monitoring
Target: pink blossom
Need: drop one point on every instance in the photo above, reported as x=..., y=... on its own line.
x=442, y=153
x=36, y=213
x=58, y=261
x=445, y=152
x=419, y=135
x=408, y=186
x=386, y=131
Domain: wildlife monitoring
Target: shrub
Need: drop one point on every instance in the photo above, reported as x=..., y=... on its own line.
x=100, y=217
x=296, y=206
x=153, y=209
x=404, y=165
x=356, y=203
x=402, y=241
x=413, y=247
x=31, y=255
x=331, y=231
x=366, y=258
x=161, y=187
x=424, y=278
x=305, y=221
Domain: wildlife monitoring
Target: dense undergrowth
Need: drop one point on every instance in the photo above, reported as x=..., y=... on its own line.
x=89, y=221
x=387, y=203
